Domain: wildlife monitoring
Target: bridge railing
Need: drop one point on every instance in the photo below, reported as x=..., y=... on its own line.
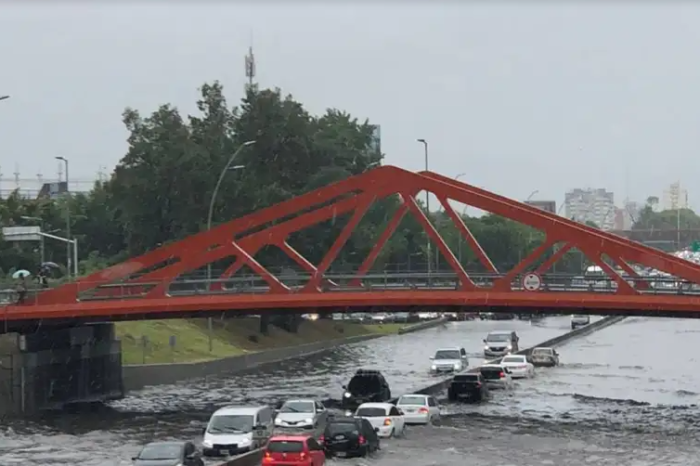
x=333, y=283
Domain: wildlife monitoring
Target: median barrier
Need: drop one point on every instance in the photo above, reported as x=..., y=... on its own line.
x=552, y=342
x=423, y=325
x=252, y=458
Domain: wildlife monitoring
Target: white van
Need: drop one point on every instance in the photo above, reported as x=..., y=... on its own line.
x=237, y=429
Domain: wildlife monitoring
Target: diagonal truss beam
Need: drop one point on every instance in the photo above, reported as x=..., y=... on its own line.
x=244, y=237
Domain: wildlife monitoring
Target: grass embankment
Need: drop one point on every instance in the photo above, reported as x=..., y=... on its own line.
x=230, y=338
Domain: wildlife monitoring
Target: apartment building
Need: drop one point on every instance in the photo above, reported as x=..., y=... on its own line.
x=591, y=205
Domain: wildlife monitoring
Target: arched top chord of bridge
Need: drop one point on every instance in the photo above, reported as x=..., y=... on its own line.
x=164, y=283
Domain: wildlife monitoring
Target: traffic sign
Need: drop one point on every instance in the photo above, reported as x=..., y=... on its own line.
x=532, y=281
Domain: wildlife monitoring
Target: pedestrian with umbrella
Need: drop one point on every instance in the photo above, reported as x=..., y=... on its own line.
x=44, y=273
x=21, y=275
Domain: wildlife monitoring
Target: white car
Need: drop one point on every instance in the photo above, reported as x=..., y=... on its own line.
x=519, y=366
x=496, y=376
x=300, y=414
x=449, y=360
x=579, y=321
x=386, y=418
x=419, y=409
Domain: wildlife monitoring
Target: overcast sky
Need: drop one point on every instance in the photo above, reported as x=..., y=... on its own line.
x=519, y=97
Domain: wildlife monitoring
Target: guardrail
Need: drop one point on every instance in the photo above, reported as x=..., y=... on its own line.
x=552, y=342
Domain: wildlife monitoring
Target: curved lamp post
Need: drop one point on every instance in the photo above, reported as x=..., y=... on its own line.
x=229, y=166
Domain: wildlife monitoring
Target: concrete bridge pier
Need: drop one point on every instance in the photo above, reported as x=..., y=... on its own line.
x=55, y=367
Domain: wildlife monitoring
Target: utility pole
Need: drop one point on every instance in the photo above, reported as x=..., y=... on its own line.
x=250, y=65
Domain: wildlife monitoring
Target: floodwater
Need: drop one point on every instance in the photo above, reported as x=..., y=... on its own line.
x=111, y=436
x=626, y=396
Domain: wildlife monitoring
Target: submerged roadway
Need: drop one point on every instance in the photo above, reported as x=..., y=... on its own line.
x=625, y=395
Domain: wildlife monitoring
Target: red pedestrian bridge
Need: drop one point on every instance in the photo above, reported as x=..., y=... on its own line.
x=169, y=282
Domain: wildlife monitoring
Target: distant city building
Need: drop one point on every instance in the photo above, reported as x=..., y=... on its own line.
x=591, y=205
x=549, y=206
x=675, y=197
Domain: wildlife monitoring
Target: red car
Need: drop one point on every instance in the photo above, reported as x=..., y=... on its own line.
x=293, y=450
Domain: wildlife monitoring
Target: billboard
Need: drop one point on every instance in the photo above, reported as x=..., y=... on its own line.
x=548, y=206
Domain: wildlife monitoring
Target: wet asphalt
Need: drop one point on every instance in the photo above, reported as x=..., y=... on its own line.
x=625, y=395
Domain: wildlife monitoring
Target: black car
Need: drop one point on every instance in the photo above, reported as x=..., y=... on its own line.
x=366, y=386
x=468, y=387
x=349, y=436
x=168, y=454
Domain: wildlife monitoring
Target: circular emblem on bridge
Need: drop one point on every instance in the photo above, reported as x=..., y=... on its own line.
x=532, y=281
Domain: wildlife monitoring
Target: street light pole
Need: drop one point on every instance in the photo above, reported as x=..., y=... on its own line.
x=69, y=259
x=427, y=208
x=226, y=168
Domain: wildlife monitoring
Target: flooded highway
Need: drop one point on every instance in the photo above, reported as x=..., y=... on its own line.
x=110, y=436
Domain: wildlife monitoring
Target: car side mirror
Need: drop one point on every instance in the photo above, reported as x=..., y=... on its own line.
x=376, y=429
x=134, y=458
x=344, y=387
x=432, y=358
x=204, y=430
x=400, y=412
x=484, y=340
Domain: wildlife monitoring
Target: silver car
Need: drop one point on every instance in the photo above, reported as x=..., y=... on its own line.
x=449, y=360
x=544, y=357
x=300, y=414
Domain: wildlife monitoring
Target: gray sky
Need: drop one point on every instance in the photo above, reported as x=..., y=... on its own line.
x=521, y=98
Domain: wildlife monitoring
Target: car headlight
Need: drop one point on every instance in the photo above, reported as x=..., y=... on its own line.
x=458, y=365
x=347, y=395
x=433, y=367
x=486, y=348
x=278, y=421
x=246, y=441
x=308, y=421
x=509, y=348
x=207, y=444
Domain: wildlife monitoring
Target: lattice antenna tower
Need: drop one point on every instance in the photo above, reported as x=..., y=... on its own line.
x=60, y=171
x=101, y=176
x=250, y=63
x=40, y=177
x=16, y=173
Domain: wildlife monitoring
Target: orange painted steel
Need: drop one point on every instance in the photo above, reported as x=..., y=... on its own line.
x=244, y=237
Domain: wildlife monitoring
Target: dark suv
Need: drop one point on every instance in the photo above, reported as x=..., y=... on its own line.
x=468, y=387
x=365, y=386
x=349, y=436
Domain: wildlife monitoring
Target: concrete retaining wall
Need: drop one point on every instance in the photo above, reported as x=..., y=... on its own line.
x=552, y=342
x=422, y=325
x=139, y=376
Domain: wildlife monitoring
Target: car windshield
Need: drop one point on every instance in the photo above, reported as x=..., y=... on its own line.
x=498, y=337
x=284, y=446
x=542, y=352
x=371, y=412
x=231, y=423
x=160, y=452
x=519, y=359
x=447, y=354
x=297, y=407
x=364, y=385
x=412, y=400
x=336, y=428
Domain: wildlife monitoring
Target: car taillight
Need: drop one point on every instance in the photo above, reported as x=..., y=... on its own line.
x=387, y=422
x=267, y=458
x=423, y=411
x=501, y=374
x=478, y=384
x=361, y=440
x=302, y=456
x=322, y=439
